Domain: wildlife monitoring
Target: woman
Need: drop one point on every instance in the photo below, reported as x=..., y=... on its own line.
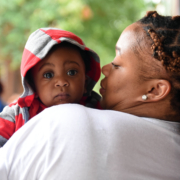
x=143, y=79
x=137, y=137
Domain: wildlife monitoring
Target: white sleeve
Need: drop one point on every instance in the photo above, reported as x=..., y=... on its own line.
x=3, y=170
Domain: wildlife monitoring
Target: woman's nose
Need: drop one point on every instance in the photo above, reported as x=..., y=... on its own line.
x=106, y=69
x=61, y=82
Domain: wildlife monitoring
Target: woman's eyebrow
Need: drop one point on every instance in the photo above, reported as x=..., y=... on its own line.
x=118, y=49
x=46, y=64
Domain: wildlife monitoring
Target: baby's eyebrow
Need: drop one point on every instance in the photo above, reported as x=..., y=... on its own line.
x=46, y=64
x=70, y=62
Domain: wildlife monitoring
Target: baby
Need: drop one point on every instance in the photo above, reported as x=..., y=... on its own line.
x=56, y=68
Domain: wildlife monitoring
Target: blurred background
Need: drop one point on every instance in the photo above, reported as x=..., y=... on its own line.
x=98, y=22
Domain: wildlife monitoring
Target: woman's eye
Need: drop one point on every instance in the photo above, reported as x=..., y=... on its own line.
x=48, y=75
x=72, y=72
x=115, y=66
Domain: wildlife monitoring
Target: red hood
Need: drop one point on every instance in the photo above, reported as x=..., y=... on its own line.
x=37, y=47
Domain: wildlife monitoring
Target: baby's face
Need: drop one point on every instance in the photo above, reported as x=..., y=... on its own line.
x=60, y=77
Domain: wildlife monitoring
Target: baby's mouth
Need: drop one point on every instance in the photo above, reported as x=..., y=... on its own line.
x=62, y=96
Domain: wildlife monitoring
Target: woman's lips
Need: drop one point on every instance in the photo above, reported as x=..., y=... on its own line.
x=102, y=90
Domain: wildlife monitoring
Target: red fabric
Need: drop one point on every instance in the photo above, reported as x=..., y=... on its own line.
x=98, y=106
x=28, y=61
x=6, y=128
x=26, y=101
x=36, y=107
x=56, y=35
x=19, y=122
x=82, y=101
x=92, y=73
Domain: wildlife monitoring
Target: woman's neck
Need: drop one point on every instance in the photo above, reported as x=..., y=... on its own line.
x=159, y=110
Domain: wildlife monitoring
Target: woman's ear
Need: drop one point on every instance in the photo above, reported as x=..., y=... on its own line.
x=158, y=90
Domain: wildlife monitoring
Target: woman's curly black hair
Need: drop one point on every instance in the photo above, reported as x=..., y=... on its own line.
x=164, y=33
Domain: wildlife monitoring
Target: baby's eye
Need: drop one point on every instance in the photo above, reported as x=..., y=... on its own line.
x=48, y=75
x=72, y=72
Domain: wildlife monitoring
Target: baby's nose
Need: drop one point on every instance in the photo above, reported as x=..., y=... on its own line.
x=61, y=82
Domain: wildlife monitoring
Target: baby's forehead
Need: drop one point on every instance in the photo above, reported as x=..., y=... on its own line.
x=64, y=54
x=64, y=45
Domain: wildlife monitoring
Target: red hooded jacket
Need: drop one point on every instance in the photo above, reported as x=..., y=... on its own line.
x=38, y=45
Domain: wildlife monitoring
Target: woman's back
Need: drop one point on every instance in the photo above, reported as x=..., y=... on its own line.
x=82, y=143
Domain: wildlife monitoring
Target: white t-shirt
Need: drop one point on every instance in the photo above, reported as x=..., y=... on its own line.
x=73, y=142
